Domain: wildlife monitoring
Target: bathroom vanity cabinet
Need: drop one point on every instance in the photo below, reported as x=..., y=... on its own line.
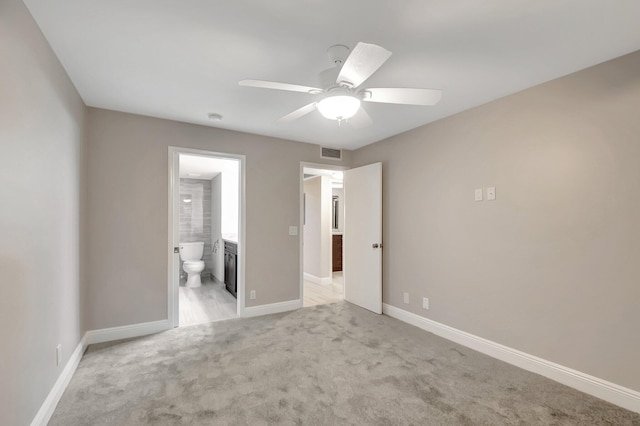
x=336, y=252
x=230, y=267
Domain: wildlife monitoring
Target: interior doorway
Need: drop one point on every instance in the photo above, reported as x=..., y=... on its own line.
x=361, y=281
x=322, y=235
x=206, y=236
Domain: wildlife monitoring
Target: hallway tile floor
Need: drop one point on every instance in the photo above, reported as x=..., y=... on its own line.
x=318, y=294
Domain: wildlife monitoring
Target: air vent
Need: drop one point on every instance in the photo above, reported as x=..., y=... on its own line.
x=332, y=153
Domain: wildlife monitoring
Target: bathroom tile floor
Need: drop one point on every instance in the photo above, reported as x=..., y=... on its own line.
x=207, y=303
x=319, y=294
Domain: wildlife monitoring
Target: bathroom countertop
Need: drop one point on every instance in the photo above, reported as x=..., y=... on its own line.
x=230, y=237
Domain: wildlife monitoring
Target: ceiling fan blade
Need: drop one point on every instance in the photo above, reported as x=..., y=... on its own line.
x=298, y=113
x=360, y=120
x=279, y=86
x=403, y=96
x=363, y=61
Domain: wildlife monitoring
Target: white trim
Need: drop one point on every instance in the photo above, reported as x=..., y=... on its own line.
x=273, y=308
x=49, y=405
x=173, y=224
x=241, y=259
x=611, y=392
x=317, y=280
x=127, y=331
x=173, y=272
x=90, y=337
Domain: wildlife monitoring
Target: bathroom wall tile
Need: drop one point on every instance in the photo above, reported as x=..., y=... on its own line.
x=195, y=216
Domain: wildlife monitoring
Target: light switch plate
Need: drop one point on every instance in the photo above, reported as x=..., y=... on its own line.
x=491, y=193
x=478, y=194
x=293, y=230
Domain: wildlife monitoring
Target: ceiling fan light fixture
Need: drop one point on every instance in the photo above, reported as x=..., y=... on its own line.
x=340, y=89
x=339, y=107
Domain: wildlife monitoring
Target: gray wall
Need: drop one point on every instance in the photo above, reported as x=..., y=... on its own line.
x=41, y=135
x=127, y=154
x=196, y=218
x=552, y=267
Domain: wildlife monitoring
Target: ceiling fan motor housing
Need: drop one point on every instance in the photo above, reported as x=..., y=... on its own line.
x=338, y=54
x=327, y=78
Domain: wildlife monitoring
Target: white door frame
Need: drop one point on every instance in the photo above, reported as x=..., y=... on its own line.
x=304, y=164
x=173, y=268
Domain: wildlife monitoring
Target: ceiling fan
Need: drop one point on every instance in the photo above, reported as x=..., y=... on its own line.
x=342, y=94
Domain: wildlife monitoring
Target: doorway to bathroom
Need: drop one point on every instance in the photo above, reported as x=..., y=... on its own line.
x=206, y=236
x=322, y=235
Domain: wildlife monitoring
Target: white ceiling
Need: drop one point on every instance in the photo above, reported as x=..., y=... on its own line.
x=335, y=175
x=182, y=60
x=201, y=167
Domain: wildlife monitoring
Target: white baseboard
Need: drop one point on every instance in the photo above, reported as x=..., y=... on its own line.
x=94, y=336
x=273, y=308
x=126, y=331
x=317, y=280
x=49, y=405
x=616, y=394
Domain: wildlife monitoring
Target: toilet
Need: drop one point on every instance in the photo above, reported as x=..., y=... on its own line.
x=191, y=253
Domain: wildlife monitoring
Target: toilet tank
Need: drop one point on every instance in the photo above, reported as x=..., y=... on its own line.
x=191, y=251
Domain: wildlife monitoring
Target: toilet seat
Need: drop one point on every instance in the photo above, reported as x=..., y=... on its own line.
x=194, y=265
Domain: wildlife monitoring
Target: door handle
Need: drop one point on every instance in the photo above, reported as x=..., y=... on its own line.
x=376, y=245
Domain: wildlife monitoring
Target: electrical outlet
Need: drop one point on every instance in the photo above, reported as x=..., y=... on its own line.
x=425, y=303
x=293, y=230
x=58, y=353
x=252, y=295
x=406, y=297
x=491, y=193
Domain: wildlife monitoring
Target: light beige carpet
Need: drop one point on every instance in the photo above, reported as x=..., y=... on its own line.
x=325, y=365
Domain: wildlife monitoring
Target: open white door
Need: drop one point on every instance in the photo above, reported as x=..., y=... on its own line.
x=363, y=236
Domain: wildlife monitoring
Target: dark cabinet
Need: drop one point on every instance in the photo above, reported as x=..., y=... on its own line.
x=336, y=253
x=230, y=267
